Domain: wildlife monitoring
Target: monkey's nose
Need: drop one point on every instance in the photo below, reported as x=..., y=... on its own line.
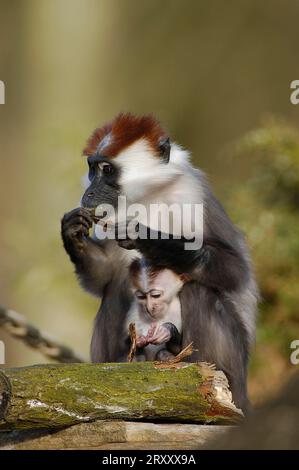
x=151, y=311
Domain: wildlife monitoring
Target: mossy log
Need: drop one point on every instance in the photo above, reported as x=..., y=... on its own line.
x=58, y=395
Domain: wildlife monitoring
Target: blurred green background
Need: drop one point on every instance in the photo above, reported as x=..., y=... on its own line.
x=218, y=76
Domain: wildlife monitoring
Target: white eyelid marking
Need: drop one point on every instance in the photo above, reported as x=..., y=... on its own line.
x=155, y=292
x=104, y=143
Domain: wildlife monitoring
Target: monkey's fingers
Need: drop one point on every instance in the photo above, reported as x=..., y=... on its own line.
x=78, y=220
x=141, y=342
x=78, y=212
x=159, y=339
x=76, y=231
x=152, y=330
x=162, y=335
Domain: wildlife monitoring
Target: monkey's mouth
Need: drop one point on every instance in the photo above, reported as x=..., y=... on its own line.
x=154, y=314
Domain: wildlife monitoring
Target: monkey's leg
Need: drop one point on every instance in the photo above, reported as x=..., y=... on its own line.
x=140, y=356
x=164, y=355
x=238, y=387
x=219, y=336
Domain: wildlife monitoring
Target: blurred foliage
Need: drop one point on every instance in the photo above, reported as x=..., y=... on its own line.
x=267, y=210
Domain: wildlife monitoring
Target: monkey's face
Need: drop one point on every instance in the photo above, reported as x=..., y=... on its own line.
x=155, y=294
x=134, y=173
x=128, y=157
x=152, y=302
x=104, y=188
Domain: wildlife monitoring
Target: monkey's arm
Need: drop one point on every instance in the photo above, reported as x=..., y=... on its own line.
x=174, y=345
x=217, y=264
x=175, y=335
x=92, y=263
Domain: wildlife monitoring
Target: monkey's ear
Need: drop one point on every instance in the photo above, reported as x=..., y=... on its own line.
x=164, y=148
x=185, y=278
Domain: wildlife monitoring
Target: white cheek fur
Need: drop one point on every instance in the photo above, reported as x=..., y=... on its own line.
x=142, y=172
x=146, y=180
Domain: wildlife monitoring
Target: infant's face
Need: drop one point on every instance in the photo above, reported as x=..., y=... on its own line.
x=156, y=293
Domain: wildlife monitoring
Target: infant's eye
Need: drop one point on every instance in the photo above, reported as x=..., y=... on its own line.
x=108, y=169
x=140, y=295
x=156, y=294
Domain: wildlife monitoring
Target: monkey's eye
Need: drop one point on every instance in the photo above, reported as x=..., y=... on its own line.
x=156, y=294
x=140, y=295
x=107, y=169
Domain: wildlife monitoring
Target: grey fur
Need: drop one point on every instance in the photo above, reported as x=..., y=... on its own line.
x=218, y=305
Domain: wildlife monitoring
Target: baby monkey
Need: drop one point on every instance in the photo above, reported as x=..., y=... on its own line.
x=156, y=310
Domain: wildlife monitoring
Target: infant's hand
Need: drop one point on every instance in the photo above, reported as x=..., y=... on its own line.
x=158, y=334
x=141, y=341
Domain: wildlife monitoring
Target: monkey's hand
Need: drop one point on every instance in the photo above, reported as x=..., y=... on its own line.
x=158, y=334
x=122, y=236
x=75, y=226
x=141, y=341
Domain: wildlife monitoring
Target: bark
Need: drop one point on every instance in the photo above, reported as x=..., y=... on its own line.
x=58, y=395
x=114, y=435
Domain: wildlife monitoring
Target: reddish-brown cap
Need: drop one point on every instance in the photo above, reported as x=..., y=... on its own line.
x=123, y=131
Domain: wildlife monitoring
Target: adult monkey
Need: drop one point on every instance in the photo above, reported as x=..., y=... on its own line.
x=132, y=156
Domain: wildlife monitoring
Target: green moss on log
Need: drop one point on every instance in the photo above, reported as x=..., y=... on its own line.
x=57, y=395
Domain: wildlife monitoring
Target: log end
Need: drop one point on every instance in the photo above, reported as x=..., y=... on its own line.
x=215, y=389
x=5, y=395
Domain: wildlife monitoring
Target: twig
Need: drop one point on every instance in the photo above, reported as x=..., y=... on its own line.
x=133, y=336
x=187, y=351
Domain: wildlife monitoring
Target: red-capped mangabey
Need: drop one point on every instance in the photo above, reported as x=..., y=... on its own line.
x=133, y=156
x=155, y=310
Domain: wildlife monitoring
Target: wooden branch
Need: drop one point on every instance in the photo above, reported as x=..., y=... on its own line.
x=187, y=351
x=56, y=395
x=133, y=337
